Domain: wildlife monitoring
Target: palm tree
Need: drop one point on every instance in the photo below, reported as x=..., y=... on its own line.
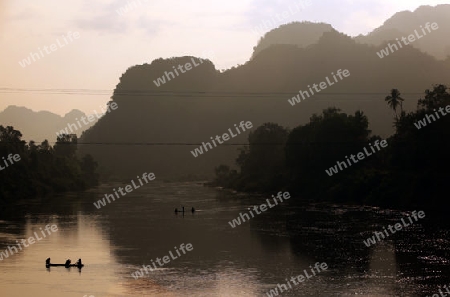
x=394, y=100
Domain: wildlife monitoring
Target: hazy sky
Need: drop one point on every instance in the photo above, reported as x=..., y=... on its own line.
x=109, y=43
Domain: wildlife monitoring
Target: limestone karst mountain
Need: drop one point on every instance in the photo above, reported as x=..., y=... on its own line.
x=40, y=125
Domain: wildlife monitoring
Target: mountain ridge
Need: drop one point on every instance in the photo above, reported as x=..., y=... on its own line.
x=171, y=119
x=403, y=23
x=40, y=125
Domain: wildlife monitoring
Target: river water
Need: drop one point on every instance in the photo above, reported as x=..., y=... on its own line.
x=248, y=260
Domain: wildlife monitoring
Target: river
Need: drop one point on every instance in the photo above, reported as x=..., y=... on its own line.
x=248, y=260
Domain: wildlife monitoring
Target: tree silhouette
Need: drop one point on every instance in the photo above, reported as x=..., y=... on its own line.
x=434, y=98
x=394, y=100
x=43, y=169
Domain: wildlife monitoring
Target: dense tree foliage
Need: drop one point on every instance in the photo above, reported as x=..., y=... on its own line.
x=410, y=172
x=419, y=157
x=262, y=162
x=42, y=169
x=316, y=146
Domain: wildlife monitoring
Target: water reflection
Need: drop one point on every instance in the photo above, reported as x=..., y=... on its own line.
x=244, y=261
x=78, y=236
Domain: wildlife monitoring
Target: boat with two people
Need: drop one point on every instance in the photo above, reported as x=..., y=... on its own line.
x=182, y=210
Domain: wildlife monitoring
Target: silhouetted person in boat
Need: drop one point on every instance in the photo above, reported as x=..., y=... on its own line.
x=193, y=209
x=67, y=263
x=47, y=262
x=79, y=264
x=177, y=211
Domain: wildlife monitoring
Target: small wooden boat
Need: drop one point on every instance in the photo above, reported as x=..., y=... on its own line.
x=64, y=265
x=182, y=210
x=67, y=264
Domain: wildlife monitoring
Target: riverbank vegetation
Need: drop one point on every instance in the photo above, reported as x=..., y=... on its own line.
x=43, y=169
x=411, y=172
